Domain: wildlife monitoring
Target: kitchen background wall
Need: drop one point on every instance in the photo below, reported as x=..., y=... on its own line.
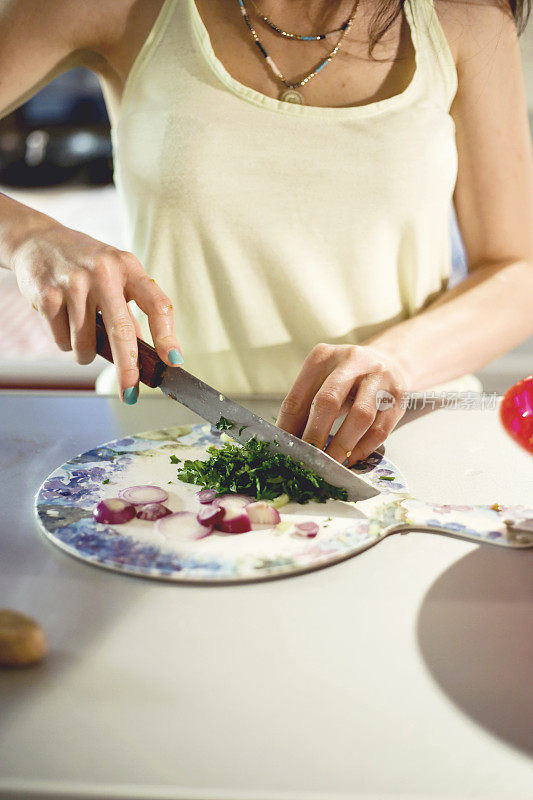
x=55, y=156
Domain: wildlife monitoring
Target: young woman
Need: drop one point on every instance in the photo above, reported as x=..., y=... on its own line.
x=287, y=169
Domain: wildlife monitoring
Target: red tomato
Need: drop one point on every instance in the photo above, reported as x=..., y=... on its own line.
x=516, y=412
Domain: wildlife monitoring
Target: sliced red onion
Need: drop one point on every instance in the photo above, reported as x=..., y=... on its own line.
x=307, y=529
x=153, y=511
x=113, y=511
x=262, y=515
x=240, y=500
x=142, y=495
x=235, y=519
x=206, y=495
x=182, y=527
x=210, y=515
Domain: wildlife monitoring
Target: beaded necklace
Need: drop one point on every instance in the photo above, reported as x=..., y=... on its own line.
x=290, y=94
x=314, y=38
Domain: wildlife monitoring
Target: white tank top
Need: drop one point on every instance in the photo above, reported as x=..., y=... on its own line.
x=275, y=226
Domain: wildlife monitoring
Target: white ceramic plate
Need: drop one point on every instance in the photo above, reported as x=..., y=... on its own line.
x=65, y=501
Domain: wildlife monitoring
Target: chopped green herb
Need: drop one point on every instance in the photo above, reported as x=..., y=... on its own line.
x=242, y=429
x=253, y=469
x=386, y=477
x=175, y=460
x=106, y=480
x=169, y=481
x=224, y=424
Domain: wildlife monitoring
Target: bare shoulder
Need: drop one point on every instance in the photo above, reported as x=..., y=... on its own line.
x=86, y=28
x=71, y=29
x=109, y=22
x=98, y=26
x=476, y=29
x=116, y=31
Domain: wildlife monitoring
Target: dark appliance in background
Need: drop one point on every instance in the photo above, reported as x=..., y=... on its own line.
x=61, y=134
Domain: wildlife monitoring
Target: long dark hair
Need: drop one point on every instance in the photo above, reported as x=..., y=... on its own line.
x=387, y=13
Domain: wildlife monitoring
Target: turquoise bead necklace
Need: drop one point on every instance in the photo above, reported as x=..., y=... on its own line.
x=291, y=94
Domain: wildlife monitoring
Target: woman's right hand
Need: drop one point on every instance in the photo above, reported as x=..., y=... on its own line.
x=68, y=276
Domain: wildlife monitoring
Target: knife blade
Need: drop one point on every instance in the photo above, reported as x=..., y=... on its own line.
x=178, y=384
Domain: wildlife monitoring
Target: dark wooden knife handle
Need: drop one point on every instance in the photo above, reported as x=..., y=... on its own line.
x=151, y=367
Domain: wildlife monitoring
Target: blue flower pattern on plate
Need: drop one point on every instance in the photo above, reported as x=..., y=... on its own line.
x=65, y=501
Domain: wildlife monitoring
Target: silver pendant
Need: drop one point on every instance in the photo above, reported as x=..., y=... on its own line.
x=292, y=96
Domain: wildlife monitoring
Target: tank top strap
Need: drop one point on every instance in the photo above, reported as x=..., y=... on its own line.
x=434, y=57
x=154, y=41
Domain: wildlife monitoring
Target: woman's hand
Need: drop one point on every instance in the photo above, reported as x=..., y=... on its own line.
x=365, y=383
x=68, y=276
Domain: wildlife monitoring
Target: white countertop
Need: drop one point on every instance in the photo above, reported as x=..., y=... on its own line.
x=405, y=672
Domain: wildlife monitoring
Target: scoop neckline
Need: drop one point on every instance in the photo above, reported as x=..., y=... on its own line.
x=293, y=109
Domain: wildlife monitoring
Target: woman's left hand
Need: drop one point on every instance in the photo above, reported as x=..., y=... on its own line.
x=365, y=383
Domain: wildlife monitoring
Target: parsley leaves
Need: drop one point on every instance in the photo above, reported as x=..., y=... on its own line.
x=224, y=424
x=253, y=469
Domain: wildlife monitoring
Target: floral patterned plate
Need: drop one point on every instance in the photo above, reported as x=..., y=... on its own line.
x=65, y=501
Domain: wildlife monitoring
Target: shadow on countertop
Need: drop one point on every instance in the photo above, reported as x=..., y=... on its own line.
x=475, y=633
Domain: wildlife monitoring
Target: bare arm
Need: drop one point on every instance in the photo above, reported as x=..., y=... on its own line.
x=490, y=312
x=64, y=274
x=39, y=42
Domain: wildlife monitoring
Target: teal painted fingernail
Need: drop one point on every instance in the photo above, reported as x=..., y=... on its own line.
x=175, y=357
x=130, y=395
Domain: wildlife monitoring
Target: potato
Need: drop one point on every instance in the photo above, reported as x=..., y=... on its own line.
x=22, y=641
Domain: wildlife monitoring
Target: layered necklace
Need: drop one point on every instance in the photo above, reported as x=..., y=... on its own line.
x=291, y=94
x=314, y=38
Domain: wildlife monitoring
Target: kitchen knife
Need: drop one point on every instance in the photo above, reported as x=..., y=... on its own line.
x=210, y=404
